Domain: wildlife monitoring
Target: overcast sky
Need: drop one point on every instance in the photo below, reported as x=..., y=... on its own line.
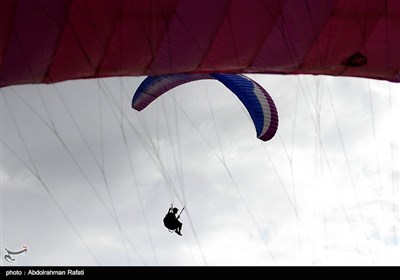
x=87, y=180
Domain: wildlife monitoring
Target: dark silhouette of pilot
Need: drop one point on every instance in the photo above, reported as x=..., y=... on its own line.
x=171, y=220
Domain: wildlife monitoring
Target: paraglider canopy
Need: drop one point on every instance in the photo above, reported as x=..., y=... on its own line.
x=254, y=97
x=51, y=41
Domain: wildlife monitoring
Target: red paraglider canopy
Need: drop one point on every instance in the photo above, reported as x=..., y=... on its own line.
x=45, y=41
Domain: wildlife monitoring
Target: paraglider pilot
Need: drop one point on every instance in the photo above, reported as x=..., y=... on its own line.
x=171, y=220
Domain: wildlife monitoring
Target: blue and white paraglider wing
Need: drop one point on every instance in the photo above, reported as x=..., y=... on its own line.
x=254, y=97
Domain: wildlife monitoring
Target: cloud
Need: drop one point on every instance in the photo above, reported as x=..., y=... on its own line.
x=309, y=196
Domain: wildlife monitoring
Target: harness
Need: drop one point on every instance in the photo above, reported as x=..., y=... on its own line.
x=168, y=218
